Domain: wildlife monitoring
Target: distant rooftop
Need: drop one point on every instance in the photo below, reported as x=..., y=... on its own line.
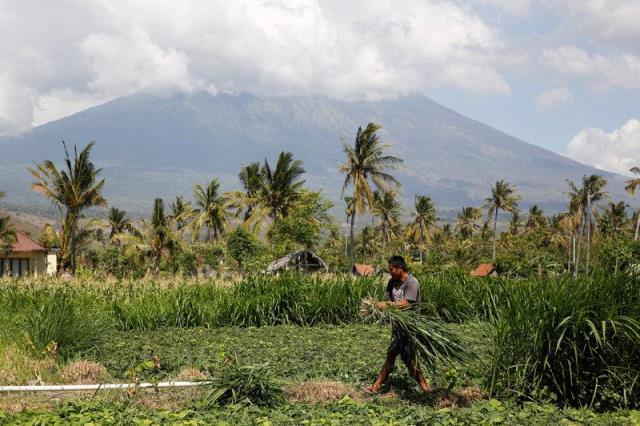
x=25, y=243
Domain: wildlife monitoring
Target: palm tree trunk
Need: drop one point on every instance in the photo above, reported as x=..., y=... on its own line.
x=73, y=254
x=346, y=241
x=588, y=230
x=352, y=238
x=635, y=233
x=420, y=245
x=384, y=240
x=364, y=248
x=577, y=264
x=73, y=231
x=495, y=225
x=573, y=252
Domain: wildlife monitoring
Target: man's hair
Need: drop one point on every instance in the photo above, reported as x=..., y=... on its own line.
x=398, y=262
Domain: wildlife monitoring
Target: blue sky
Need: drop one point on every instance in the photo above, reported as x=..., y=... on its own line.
x=580, y=98
x=562, y=74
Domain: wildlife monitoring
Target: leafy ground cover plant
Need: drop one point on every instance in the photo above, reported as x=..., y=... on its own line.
x=343, y=412
x=350, y=353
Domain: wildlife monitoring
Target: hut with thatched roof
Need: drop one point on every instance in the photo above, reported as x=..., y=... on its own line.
x=301, y=260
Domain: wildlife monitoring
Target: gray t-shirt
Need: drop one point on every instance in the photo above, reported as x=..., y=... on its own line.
x=408, y=290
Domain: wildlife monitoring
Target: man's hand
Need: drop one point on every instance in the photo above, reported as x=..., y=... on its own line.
x=400, y=305
x=382, y=305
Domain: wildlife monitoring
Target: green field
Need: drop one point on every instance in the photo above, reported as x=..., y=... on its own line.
x=305, y=336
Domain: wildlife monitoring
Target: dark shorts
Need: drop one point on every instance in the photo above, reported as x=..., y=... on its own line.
x=400, y=345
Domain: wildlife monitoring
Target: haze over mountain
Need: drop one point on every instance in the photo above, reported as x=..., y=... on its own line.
x=152, y=146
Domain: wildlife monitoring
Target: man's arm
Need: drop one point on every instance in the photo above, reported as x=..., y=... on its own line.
x=412, y=290
x=399, y=304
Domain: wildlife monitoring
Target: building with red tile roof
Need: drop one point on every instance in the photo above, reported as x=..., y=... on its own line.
x=28, y=257
x=485, y=270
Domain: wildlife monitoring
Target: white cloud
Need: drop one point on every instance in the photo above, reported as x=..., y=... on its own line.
x=614, y=22
x=617, y=151
x=61, y=103
x=553, y=98
x=615, y=70
x=60, y=56
x=16, y=110
x=518, y=8
x=133, y=63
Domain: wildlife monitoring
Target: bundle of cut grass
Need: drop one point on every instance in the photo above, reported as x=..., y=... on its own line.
x=430, y=339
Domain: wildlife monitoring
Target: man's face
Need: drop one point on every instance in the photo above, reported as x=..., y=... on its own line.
x=395, y=272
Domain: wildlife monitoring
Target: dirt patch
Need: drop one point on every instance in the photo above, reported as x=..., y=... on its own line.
x=84, y=373
x=458, y=398
x=192, y=375
x=320, y=391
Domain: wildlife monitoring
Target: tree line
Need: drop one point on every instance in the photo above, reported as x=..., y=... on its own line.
x=274, y=212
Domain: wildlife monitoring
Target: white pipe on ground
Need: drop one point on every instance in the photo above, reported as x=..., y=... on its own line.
x=72, y=388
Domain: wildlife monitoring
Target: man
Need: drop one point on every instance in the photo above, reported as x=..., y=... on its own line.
x=402, y=291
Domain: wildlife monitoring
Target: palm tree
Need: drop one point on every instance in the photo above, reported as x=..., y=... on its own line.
x=119, y=222
x=423, y=218
x=281, y=185
x=443, y=238
x=559, y=233
x=467, y=222
x=631, y=186
x=582, y=201
x=181, y=212
x=503, y=197
x=252, y=182
x=7, y=233
x=154, y=239
x=515, y=223
x=348, y=211
x=72, y=190
x=212, y=211
x=364, y=168
x=536, y=218
x=367, y=242
x=615, y=218
x=387, y=208
x=485, y=231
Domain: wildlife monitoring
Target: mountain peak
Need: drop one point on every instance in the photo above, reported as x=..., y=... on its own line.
x=154, y=146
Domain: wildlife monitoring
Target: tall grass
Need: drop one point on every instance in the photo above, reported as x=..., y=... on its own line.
x=575, y=342
x=134, y=305
x=63, y=324
x=56, y=320
x=455, y=297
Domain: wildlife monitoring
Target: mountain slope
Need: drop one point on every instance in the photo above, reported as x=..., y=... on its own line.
x=150, y=146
